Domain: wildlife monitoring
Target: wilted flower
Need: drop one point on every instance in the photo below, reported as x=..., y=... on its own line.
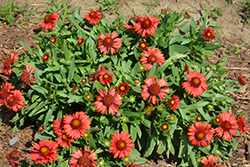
x=242, y=80
x=14, y=159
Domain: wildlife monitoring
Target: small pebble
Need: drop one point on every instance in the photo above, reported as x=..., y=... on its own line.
x=13, y=140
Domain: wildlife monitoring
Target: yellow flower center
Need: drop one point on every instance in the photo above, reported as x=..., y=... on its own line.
x=106, y=76
x=11, y=99
x=122, y=88
x=172, y=102
x=108, y=42
x=208, y=34
x=45, y=57
x=167, y=12
x=121, y=145
x=195, y=82
x=152, y=59
x=143, y=45
x=165, y=126
x=44, y=150
x=89, y=96
x=199, y=135
x=146, y=24
x=76, y=124
x=85, y=135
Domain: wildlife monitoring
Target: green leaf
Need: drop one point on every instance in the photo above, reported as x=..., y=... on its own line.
x=176, y=39
x=40, y=89
x=92, y=142
x=153, y=70
x=175, y=49
x=133, y=132
x=197, y=105
x=125, y=127
x=150, y=146
x=136, y=89
x=213, y=47
x=49, y=114
x=0, y=122
x=71, y=70
x=194, y=162
x=41, y=137
x=170, y=146
x=146, y=122
x=36, y=37
x=26, y=46
x=135, y=69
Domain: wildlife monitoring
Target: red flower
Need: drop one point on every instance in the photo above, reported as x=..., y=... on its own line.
x=186, y=68
x=143, y=45
x=196, y=83
x=242, y=80
x=129, y=24
x=81, y=159
x=165, y=126
x=12, y=58
x=198, y=118
x=80, y=41
x=146, y=26
x=200, y=134
x=137, y=82
x=217, y=119
x=75, y=125
x=41, y=128
x=174, y=102
x=208, y=34
x=44, y=151
x=15, y=100
x=121, y=145
x=32, y=46
x=151, y=89
x=13, y=158
x=45, y=57
x=26, y=76
x=93, y=17
x=5, y=91
x=53, y=40
x=187, y=15
x=109, y=43
x=210, y=161
x=84, y=80
x=74, y=89
x=49, y=21
x=64, y=140
x=96, y=75
x=242, y=124
x=110, y=101
x=228, y=125
x=105, y=77
x=58, y=126
x=122, y=88
x=151, y=56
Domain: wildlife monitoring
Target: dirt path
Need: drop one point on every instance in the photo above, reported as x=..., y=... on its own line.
x=234, y=33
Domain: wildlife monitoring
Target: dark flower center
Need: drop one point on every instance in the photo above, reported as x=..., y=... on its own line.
x=44, y=150
x=226, y=125
x=146, y=23
x=25, y=77
x=84, y=161
x=12, y=101
x=152, y=59
x=108, y=100
x=93, y=15
x=195, y=82
x=108, y=42
x=47, y=19
x=76, y=123
x=3, y=94
x=7, y=63
x=121, y=145
x=15, y=155
x=154, y=89
x=199, y=135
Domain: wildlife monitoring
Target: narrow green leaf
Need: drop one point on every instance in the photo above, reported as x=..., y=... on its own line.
x=40, y=89
x=133, y=132
x=150, y=146
x=194, y=162
x=71, y=70
x=49, y=114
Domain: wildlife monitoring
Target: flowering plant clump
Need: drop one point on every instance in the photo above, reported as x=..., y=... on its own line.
x=108, y=95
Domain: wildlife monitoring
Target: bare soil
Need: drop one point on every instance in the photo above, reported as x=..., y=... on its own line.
x=233, y=34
